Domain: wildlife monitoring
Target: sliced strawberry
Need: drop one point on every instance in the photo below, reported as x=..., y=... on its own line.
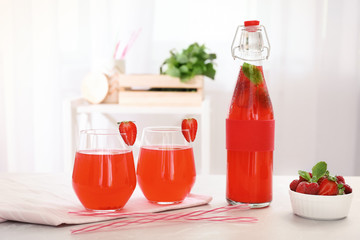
x=189, y=128
x=128, y=132
x=328, y=187
x=321, y=179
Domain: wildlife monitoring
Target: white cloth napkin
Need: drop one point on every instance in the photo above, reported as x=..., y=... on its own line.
x=48, y=199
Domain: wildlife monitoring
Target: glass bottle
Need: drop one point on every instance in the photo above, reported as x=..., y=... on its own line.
x=250, y=123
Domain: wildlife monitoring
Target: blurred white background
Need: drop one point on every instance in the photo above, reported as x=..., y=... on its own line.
x=313, y=74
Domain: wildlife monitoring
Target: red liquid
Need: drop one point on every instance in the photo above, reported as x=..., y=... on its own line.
x=104, y=180
x=249, y=174
x=166, y=174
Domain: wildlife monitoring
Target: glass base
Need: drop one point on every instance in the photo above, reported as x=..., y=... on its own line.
x=103, y=211
x=165, y=203
x=252, y=205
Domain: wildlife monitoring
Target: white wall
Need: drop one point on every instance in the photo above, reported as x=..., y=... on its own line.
x=47, y=46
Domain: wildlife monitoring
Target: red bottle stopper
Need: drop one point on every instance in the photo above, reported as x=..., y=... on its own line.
x=251, y=23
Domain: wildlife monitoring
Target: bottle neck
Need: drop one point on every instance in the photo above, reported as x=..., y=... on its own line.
x=256, y=63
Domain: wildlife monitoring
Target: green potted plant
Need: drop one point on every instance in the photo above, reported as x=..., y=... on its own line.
x=192, y=61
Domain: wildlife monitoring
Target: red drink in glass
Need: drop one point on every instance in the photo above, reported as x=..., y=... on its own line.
x=166, y=174
x=249, y=173
x=104, y=179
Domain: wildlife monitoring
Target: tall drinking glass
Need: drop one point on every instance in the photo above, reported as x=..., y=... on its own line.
x=166, y=168
x=104, y=173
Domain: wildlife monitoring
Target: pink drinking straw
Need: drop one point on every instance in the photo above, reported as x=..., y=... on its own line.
x=131, y=41
x=143, y=218
x=116, y=49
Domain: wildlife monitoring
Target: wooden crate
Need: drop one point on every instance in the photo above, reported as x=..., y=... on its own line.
x=134, y=90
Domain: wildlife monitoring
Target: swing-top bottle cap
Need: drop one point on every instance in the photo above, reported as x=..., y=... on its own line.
x=251, y=45
x=251, y=23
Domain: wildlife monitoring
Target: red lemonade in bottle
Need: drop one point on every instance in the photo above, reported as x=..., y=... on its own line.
x=250, y=128
x=166, y=173
x=104, y=179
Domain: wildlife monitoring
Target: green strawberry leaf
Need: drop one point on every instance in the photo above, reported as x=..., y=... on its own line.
x=318, y=171
x=252, y=73
x=332, y=178
x=305, y=175
x=341, y=189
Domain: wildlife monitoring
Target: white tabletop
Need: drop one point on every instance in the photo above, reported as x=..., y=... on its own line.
x=275, y=222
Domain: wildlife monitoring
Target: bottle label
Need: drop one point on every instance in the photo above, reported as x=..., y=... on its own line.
x=250, y=135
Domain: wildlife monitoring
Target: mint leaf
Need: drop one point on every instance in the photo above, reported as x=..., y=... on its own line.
x=252, y=73
x=305, y=175
x=319, y=170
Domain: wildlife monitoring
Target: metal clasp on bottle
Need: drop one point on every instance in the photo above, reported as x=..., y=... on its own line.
x=265, y=51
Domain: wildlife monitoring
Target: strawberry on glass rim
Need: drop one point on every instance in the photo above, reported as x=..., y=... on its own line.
x=128, y=132
x=189, y=128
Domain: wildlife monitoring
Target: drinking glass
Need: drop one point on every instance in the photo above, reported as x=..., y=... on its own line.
x=166, y=168
x=104, y=173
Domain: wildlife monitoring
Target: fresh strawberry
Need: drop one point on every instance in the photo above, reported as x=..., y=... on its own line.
x=340, y=179
x=301, y=179
x=312, y=188
x=328, y=187
x=301, y=188
x=128, y=132
x=321, y=179
x=294, y=184
x=189, y=128
x=308, y=188
x=348, y=189
x=320, y=182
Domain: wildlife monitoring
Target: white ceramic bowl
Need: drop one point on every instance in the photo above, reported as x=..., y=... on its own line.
x=320, y=207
